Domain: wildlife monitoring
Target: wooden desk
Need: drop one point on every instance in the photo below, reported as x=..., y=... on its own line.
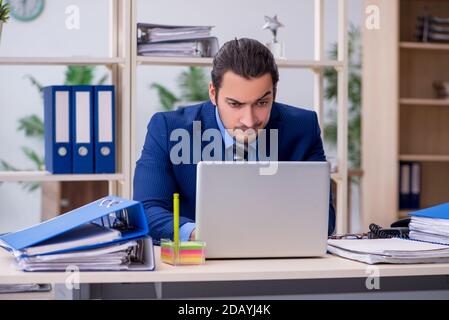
x=243, y=271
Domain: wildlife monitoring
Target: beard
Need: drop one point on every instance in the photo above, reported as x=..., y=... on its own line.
x=244, y=135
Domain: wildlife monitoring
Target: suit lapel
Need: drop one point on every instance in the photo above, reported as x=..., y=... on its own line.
x=208, y=121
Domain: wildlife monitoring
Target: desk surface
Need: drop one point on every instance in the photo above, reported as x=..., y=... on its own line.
x=228, y=270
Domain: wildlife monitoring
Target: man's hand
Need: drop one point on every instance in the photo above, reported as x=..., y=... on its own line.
x=192, y=235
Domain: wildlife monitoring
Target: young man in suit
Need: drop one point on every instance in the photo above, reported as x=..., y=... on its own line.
x=242, y=102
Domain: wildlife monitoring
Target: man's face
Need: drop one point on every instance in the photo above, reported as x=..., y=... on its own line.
x=244, y=105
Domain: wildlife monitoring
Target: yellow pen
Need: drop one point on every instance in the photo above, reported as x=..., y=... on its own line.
x=176, y=224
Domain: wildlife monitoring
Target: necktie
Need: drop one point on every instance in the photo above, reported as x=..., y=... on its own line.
x=240, y=152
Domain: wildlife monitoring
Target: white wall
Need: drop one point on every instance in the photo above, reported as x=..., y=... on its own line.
x=48, y=36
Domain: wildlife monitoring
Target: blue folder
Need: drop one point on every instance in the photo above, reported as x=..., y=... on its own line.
x=104, y=129
x=82, y=133
x=415, y=188
x=440, y=211
x=57, y=129
x=96, y=211
x=405, y=196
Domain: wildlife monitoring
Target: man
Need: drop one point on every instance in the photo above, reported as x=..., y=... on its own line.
x=242, y=102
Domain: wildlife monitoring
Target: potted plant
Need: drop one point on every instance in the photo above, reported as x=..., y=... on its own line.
x=4, y=15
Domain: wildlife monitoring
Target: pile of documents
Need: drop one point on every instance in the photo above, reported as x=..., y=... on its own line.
x=175, y=41
x=431, y=224
x=432, y=29
x=112, y=257
x=24, y=287
x=392, y=250
x=109, y=234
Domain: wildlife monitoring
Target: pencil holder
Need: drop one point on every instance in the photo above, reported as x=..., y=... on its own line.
x=189, y=253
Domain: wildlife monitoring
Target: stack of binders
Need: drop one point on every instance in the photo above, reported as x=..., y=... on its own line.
x=431, y=224
x=432, y=29
x=79, y=129
x=175, y=41
x=109, y=234
x=409, y=185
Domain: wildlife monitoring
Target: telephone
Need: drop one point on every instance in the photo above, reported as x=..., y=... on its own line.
x=398, y=229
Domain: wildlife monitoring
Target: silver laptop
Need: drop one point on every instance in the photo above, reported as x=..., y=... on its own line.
x=243, y=210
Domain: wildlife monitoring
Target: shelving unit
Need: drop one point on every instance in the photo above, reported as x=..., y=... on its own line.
x=424, y=157
x=316, y=66
x=424, y=102
x=119, y=63
x=60, y=61
x=404, y=121
x=46, y=176
x=207, y=62
x=423, y=46
x=124, y=61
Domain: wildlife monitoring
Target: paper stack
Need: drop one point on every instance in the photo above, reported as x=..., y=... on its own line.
x=431, y=224
x=393, y=250
x=24, y=287
x=110, y=258
x=175, y=41
x=432, y=29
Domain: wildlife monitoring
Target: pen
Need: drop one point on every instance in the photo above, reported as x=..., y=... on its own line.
x=176, y=224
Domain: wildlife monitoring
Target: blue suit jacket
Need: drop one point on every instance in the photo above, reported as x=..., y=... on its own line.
x=156, y=178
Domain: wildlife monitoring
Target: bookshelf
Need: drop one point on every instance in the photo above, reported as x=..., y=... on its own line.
x=43, y=176
x=404, y=121
x=118, y=61
x=423, y=102
x=423, y=46
x=207, y=62
x=317, y=65
x=124, y=61
x=60, y=61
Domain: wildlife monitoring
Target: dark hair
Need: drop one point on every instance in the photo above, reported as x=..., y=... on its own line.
x=246, y=57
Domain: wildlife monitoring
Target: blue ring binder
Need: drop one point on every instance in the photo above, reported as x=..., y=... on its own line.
x=134, y=220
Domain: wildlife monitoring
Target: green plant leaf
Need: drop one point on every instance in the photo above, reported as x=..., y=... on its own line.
x=79, y=75
x=5, y=166
x=35, y=83
x=28, y=186
x=193, y=84
x=103, y=79
x=32, y=125
x=4, y=11
x=166, y=97
x=34, y=157
x=354, y=97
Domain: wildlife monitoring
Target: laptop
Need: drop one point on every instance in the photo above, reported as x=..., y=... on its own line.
x=248, y=210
